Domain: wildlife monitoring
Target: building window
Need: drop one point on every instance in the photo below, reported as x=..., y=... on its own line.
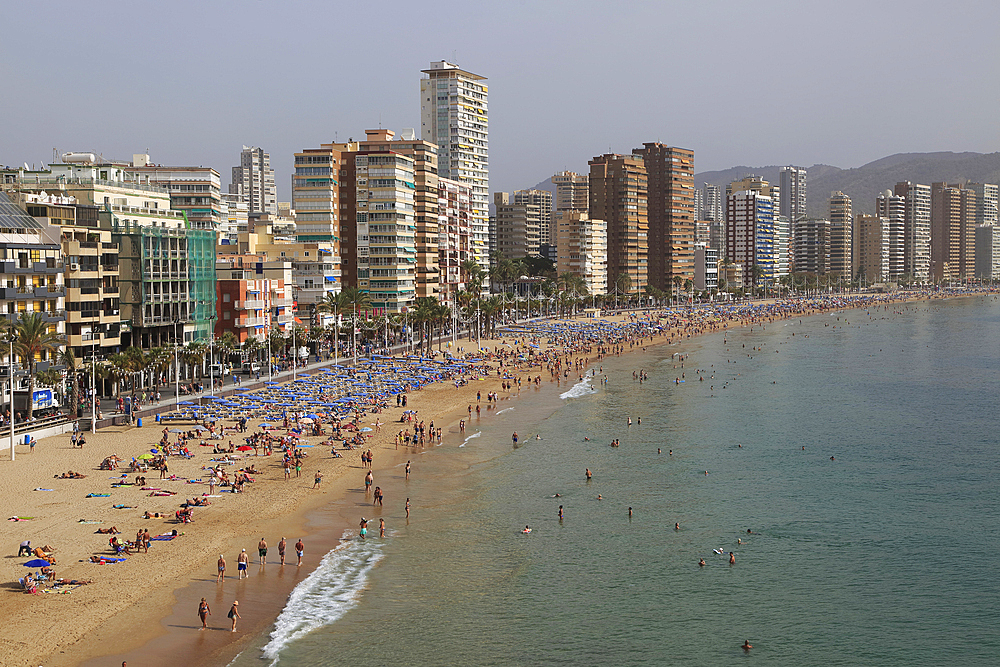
x=226, y=298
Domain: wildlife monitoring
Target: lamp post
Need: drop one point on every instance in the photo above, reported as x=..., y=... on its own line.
x=211, y=339
x=295, y=349
x=11, y=338
x=177, y=374
x=93, y=383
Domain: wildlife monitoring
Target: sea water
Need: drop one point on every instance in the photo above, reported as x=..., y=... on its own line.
x=861, y=452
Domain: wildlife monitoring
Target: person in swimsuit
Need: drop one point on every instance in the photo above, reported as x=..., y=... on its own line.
x=241, y=564
x=222, y=569
x=281, y=550
x=364, y=527
x=262, y=550
x=234, y=613
x=381, y=527
x=204, y=611
x=747, y=646
x=317, y=479
x=299, y=550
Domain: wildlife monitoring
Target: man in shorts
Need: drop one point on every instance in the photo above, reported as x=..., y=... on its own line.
x=281, y=550
x=222, y=569
x=262, y=550
x=241, y=564
x=317, y=479
x=299, y=549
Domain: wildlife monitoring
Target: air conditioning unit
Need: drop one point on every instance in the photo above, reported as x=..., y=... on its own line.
x=74, y=267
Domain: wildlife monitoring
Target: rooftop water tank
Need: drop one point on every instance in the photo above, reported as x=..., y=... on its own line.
x=79, y=158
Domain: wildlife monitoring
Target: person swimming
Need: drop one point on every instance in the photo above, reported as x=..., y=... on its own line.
x=526, y=530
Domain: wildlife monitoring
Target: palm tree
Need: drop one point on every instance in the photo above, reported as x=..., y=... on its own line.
x=472, y=276
x=34, y=341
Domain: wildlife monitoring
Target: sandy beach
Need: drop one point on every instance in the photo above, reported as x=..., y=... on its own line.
x=130, y=605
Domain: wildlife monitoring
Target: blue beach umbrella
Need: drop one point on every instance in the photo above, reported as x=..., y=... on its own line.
x=37, y=562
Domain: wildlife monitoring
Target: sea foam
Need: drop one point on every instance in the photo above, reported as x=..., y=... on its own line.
x=581, y=388
x=326, y=594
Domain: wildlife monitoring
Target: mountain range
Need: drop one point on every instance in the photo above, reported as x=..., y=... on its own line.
x=863, y=184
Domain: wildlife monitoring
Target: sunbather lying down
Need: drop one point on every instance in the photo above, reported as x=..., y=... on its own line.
x=72, y=582
x=108, y=531
x=45, y=553
x=154, y=515
x=69, y=475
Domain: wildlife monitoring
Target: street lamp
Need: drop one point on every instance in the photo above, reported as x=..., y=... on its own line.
x=211, y=339
x=11, y=339
x=177, y=373
x=93, y=381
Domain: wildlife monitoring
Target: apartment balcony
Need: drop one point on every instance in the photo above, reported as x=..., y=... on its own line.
x=254, y=304
x=278, y=302
x=249, y=322
x=283, y=318
x=54, y=315
x=50, y=291
x=50, y=266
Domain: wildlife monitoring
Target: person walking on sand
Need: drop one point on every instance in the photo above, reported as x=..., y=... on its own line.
x=222, y=569
x=262, y=550
x=369, y=480
x=317, y=479
x=299, y=550
x=281, y=550
x=204, y=611
x=241, y=564
x=234, y=613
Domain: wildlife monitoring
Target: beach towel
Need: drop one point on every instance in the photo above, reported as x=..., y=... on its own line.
x=162, y=538
x=123, y=507
x=98, y=495
x=41, y=489
x=110, y=559
x=151, y=488
x=162, y=493
x=89, y=521
x=21, y=518
x=61, y=588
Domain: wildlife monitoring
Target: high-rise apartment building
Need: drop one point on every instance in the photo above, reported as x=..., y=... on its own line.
x=750, y=237
x=319, y=213
x=425, y=200
x=792, y=182
x=871, y=248
x=841, y=236
x=454, y=210
x=253, y=180
x=988, y=252
x=892, y=207
x=811, y=240
x=582, y=249
x=454, y=114
x=572, y=191
x=618, y=195
x=706, y=267
x=712, y=206
x=986, y=202
x=670, y=206
x=543, y=200
x=953, y=232
x=517, y=227
x=916, y=229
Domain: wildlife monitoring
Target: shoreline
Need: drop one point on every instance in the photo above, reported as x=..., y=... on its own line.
x=147, y=619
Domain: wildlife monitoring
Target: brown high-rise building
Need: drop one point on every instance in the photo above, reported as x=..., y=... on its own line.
x=953, y=232
x=670, y=175
x=618, y=195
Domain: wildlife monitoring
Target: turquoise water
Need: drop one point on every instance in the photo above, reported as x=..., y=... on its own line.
x=883, y=556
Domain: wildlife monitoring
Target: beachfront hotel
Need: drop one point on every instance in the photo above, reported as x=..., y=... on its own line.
x=582, y=249
x=750, y=238
x=454, y=114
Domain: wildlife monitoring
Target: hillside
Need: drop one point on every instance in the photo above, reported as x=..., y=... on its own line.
x=862, y=184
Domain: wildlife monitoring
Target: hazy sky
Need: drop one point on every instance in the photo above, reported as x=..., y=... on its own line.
x=741, y=83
